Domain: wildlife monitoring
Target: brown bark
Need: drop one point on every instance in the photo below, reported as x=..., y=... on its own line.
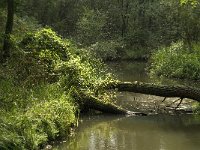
x=158, y=90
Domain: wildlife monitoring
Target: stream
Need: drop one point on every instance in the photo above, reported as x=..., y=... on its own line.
x=161, y=131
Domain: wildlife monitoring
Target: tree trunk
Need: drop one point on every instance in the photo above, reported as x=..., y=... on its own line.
x=96, y=104
x=158, y=90
x=8, y=30
x=124, y=8
x=139, y=87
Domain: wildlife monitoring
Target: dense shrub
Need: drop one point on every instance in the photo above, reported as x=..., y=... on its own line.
x=45, y=39
x=177, y=61
x=37, y=55
x=41, y=89
x=47, y=112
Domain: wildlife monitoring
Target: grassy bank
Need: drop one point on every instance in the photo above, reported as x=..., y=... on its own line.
x=32, y=117
x=41, y=89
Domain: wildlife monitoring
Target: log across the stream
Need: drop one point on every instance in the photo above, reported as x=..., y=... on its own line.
x=157, y=90
x=143, y=88
x=96, y=104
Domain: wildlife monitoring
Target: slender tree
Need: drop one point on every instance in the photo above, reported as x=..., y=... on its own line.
x=8, y=30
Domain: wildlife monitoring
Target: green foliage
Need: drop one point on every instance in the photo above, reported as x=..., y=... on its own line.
x=20, y=28
x=44, y=56
x=177, y=61
x=2, y=27
x=47, y=113
x=42, y=87
x=90, y=26
x=140, y=24
x=192, y=2
x=107, y=50
x=136, y=54
x=3, y=4
x=25, y=24
x=61, y=15
x=45, y=40
x=38, y=54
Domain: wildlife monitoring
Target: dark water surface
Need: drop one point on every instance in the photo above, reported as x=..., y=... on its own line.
x=156, y=132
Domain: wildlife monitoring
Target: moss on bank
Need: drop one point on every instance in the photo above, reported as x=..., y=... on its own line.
x=40, y=89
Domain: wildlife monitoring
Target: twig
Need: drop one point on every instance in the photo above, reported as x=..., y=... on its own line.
x=175, y=101
x=164, y=99
x=181, y=100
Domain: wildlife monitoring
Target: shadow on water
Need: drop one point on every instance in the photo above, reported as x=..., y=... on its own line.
x=160, y=132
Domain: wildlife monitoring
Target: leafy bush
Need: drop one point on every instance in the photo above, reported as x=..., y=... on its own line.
x=41, y=90
x=177, y=61
x=45, y=39
x=44, y=56
x=47, y=113
x=38, y=54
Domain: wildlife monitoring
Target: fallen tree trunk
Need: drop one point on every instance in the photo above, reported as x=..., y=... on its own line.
x=157, y=90
x=96, y=104
x=143, y=88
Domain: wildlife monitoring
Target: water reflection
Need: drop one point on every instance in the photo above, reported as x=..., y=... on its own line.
x=160, y=132
x=137, y=71
x=129, y=71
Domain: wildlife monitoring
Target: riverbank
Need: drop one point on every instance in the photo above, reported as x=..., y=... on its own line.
x=43, y=89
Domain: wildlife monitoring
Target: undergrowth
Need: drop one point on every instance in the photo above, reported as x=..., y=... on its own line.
x=41, y=88
x=177, y=61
